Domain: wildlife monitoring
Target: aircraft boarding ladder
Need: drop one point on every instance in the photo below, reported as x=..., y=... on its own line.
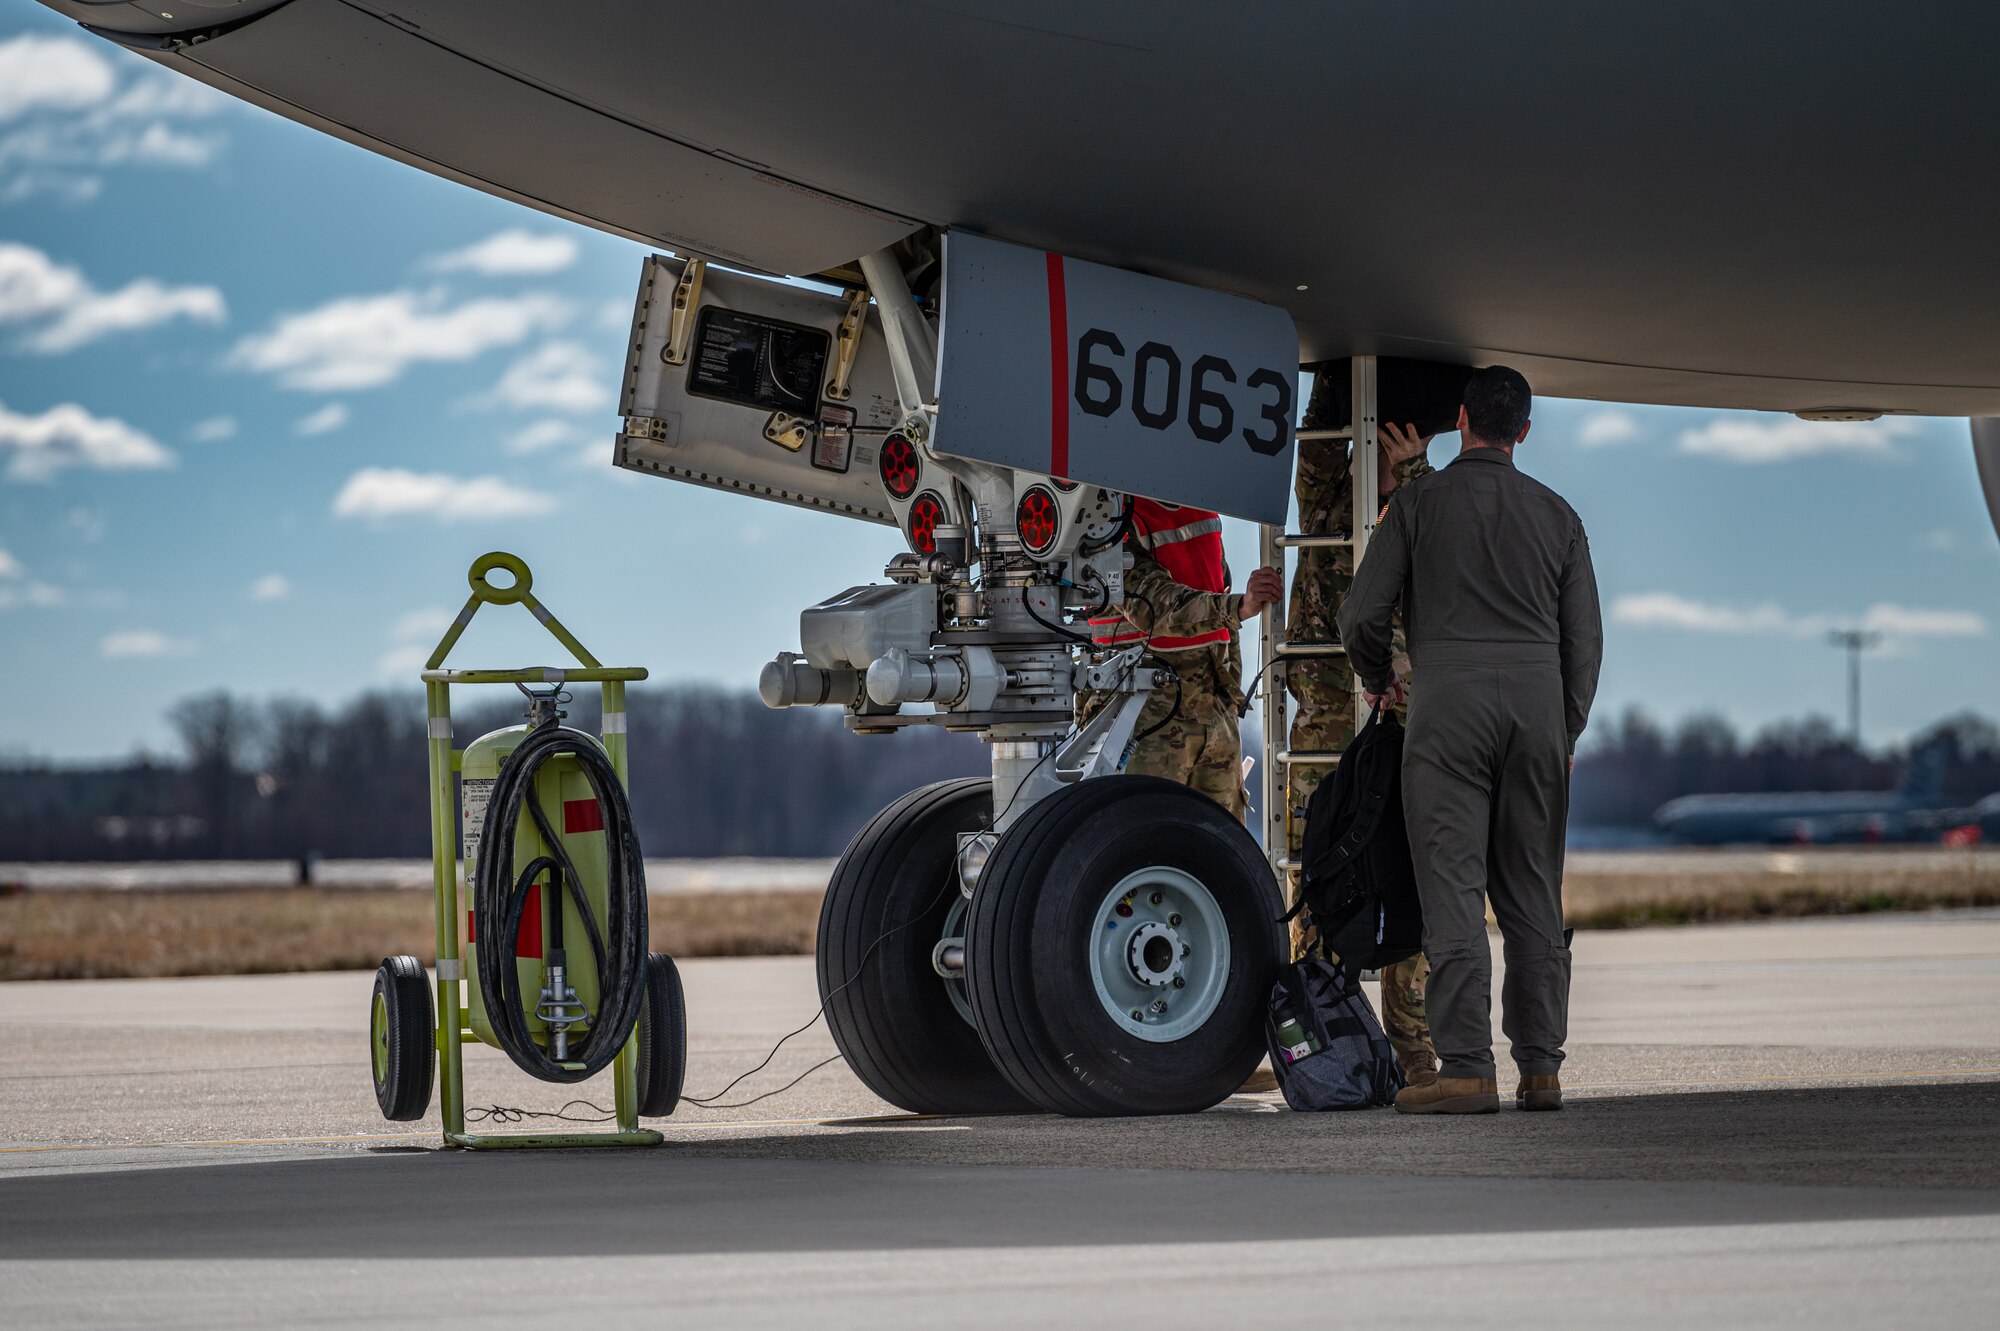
x=1279, y=652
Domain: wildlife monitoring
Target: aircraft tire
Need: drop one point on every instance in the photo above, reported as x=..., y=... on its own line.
x=662, y=1062
x=892, y=1016
x=1121, y=949
x=401, y=1031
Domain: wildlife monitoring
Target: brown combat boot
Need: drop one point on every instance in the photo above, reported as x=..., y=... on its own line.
x=1539, y=1093
x=1451, y=1095
x=1420, y=1076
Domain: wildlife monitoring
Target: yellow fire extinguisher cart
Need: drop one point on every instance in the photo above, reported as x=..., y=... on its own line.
x=562, y=901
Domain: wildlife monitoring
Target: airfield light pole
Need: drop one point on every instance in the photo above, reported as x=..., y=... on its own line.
x=1856, y=641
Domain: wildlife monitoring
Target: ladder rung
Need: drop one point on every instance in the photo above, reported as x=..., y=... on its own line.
x=1310, y=757
x=1307, y=435
x=1308, y=649
x=1286, y=862
x=1298, y=540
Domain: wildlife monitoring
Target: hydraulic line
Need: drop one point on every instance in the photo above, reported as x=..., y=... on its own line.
x=499, y=901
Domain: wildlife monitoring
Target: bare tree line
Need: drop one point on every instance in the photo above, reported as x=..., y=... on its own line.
x=713, y=772
x=1632, y=764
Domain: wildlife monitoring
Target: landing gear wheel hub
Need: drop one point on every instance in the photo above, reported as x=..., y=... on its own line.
x=1160, y=958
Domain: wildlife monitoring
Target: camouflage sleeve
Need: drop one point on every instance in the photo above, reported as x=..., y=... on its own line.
x=1411, y=469
x=1155, y=603
x=1367, y=616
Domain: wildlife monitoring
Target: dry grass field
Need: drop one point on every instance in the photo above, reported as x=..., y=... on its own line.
x=77, y=935
x=87, y=934
x=1623, y=890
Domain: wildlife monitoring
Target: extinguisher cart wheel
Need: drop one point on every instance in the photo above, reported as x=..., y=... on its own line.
x=400, y=1027
x=1121, y=948
x=662, y=1038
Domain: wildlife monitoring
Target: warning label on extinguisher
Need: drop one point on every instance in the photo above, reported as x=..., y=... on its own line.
x=474, y=796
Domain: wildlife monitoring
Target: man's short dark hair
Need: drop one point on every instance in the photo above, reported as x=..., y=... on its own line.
x=1497, y=402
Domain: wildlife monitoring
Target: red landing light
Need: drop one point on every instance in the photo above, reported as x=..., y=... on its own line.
x=925, y=515
x=899, y=465
x=1035, y=518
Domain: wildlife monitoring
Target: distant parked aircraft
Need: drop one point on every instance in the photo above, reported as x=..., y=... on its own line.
x=1916, y=811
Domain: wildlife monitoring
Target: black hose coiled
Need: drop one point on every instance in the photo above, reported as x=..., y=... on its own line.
x=619, y=947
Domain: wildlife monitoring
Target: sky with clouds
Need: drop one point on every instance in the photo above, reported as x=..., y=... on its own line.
x=263, y=396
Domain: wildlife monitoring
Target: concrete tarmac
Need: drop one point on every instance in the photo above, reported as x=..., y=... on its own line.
x=1769, y=1123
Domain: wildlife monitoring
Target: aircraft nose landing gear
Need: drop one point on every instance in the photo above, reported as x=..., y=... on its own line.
x=1061, y=937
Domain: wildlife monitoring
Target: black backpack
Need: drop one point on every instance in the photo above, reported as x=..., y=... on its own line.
x=1358, y=887
x=1327, y=1049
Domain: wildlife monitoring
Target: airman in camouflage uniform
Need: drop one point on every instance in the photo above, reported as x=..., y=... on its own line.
x=1178, y=604
x=1323, y=701
x=1202, y=746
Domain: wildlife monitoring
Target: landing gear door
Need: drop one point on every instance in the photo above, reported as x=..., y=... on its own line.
x=1113, y=378
x=767, y=389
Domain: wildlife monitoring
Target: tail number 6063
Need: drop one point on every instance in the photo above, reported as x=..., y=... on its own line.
x=1156, y=401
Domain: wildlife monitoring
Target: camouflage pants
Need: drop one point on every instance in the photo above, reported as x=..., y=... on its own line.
x=1200, y=747
x=1323, y=715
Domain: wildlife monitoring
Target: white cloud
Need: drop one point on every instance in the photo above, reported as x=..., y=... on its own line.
x=51, y=74
x=72, y=312
x=403, y=661
x=213, y=430
x=143, y=642
x=1900, y=621
x=415, y=636
x=18, y=589
x=324, y=421
x=1602, y=428
x=71, y=115
x=1756, y=441
x=32, y=285
x=557, y=376
x=540, y=436
x=429, y=622
x=615, y=316
x=367, y=341
x=37, y=447
x=84, y=524
x=271, y=587
x=512, y=253
x=381, y=492
x=30, y=593
x=61, y=186
x=141, y=304
x=1666, y=610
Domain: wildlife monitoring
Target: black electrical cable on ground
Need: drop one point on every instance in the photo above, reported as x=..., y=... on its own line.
x=618, y=944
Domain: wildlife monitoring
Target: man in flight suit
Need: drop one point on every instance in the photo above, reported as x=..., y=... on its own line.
x=1178, y=602
x=1492, y=571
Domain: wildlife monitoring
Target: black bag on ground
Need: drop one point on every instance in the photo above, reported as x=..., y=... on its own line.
x=1327, y=1049
x=1358, y=887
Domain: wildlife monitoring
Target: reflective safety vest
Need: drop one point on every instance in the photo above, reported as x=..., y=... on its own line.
x=1188, y=544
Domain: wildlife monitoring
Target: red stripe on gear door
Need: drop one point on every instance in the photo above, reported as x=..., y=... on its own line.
x=1058, y=369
